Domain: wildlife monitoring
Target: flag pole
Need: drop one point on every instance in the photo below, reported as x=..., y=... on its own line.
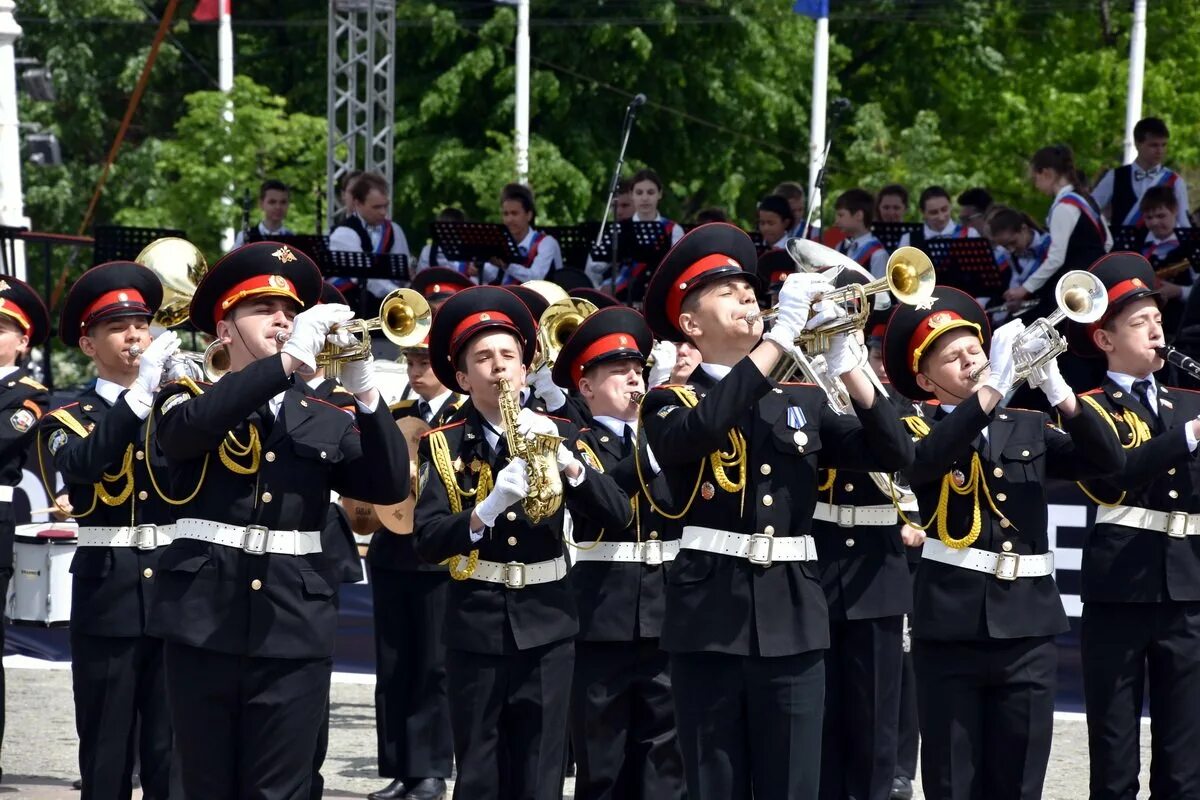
x=820, y=88
x=521, y=127
x=1137, y=71
x=225, y=84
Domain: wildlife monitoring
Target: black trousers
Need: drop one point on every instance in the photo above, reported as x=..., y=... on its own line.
x=247, y=727
x=623, y=722
x=121, y=711
x=1124, y=647
x=987, y=716
x=862, y=708
x=908, y=741
x=509, y=715
x=749, y=726
x=5, y=577
x=412, y=711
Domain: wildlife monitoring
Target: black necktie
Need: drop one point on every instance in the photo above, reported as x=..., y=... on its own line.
x=627, y=441
x=268, y=419
x=1141, y=390
x=425, y=410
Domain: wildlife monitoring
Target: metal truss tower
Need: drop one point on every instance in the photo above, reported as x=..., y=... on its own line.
x=361, y=107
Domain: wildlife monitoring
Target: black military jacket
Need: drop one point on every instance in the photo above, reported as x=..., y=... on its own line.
x=725, y=604
x=1125, y=565
x=864, y=568
x=279, y=606
x=22, y=403
x=486, y=617
x=621, y=601
x=337, y=537
x=390, y=550
x=113, y=587
x=1022, y=449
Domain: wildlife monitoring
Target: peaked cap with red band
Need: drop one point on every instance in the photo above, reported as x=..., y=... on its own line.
x=611, y=334
x=706, y=254
x=330, y=294
x=438, y=283
x=106, y=291
x=1127, y=277
x=21, y=304
x=469, y=313
x=773, y=268
x=912, y=330
x=254, y=270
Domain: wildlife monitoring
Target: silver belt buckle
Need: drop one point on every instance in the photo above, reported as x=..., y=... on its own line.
x=759, y=552
x=1177, y=524
x=145, y=537
x=652, y=552
x=514, y=575
x=254, y=540
x=1006, y=568
x=845, y=516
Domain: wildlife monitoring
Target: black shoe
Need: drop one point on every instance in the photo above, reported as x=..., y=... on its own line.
x=77, y=784
x=901, y=788
x=393, y=791
x=427, y=789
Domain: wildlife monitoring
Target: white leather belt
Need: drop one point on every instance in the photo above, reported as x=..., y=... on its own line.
x=1176, y=524
x=143, y=537
x=515, y=575
x=651, y=552
x=252, y=539
x=758, y=548
x=1005, y=566
x=853, y=516
x=6, y=494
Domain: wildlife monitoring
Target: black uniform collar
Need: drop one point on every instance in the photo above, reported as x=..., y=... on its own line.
x=1129, y=402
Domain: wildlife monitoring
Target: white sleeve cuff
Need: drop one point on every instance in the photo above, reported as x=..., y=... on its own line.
x=573, y=482
x=476, y=536
x=367, y=409
x=139, y=401
x=653, y=462
x=1190, y=436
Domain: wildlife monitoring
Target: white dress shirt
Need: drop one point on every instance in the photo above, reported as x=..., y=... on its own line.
x=1143, y=179
x=345, y=239
x=1126, y=383
x=549, y=257
x=263, y=231
x=1063, y=219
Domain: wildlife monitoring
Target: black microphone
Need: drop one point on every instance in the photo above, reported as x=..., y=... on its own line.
x=639, y=99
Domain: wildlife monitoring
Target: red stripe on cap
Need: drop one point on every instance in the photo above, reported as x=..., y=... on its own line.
x=1124, y=287
x=113, y=298
x=689, y=276
x=929, y=329
x=609, y=343
x=253, y=286
x=10, y=309
x=491, y=318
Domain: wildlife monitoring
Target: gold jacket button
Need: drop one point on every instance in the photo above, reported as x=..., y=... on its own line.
x=510, y=516
x=849, y=543
x=769, y=530
x=767, y=500
x=1171, y=471
x=324, y=454
x=139, y=455
x=998, y=472
x=143, y=494
x=512, y=541
x=1006, y=547
x=1004, y=523
x=1001, y=497
x=266, y=497
x=269, y=455
x=256, y=584
x=849, y=487
x=147, y=573
x=1173, y=494
x=653, y=534
x=765, y=469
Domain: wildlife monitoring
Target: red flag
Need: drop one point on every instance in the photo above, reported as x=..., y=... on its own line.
x=210, y=10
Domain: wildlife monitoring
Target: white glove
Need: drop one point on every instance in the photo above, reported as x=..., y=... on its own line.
x=1003, y=365
x=150, y=363
x=796, y=297
x=665, y=354
x=511, y=487
x=546, y=390
x=824, y=312
x=342, y=338
x=530, y=422
x=845, y=353
x=309, y=330
x=566, y=458
x=1049, y=379
x=358, y=377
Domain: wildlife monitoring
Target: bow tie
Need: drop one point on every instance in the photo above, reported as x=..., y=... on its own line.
x=1143, y=174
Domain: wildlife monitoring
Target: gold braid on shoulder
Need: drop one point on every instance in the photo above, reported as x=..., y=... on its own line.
x=1138, y=433
x=439, y=453
x=100, y=493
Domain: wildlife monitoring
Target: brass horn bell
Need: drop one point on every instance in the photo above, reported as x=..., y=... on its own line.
x=404, y=318
x=179, y=266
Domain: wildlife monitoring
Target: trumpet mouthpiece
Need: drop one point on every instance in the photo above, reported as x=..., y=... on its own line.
x=135, y=351
x=282, y=337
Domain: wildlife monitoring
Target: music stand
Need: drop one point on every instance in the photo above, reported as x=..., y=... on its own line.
x=575, y=241
x=122, y=243
x=969, y=265
x=1189, y=247
x=313, y=246
x=362, y=267
x=890, y=233
x=1129, y=237
x=475, y=241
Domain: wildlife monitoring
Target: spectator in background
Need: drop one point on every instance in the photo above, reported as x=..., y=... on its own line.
x=891, y=204
x=540, y=253
x=935, y=209
x=368, y=230
x=1120, y=190
x=273, y=201
x=853, y=210
x=344, y=184
x=973, y=205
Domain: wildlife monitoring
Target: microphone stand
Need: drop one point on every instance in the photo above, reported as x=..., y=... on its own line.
x=626, y=130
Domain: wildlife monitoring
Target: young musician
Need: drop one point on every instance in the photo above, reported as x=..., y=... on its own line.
x=273, y=200
x=511, y=617
x=600, y=272
x=795, y=196
x=646, y=189
x=125, y=513
x=891, y=203
x=746, y=622
x=986, y=608
x=853, y=218
x=1121, y=189
x=934, y=204
x=1078, y=235
x=432, y=256
x=973, y=206
x=622, y=717
x=368, y=229
x=540, y=252
x=1141, y=561
x=245, y=592
x=775, y=221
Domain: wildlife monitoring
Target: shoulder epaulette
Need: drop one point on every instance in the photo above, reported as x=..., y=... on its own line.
x=337, y=387
x=335, y=406
x=399, y=404
x=65, y=417
x=917, y=426
x=445, y=427
x=1097, y=390
x=31, y=383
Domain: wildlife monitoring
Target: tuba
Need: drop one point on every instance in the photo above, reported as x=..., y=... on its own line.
x=179, y=266
x=556, y=326
x=541, y=460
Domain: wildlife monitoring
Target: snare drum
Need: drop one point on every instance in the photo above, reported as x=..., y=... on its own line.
x=40, y=590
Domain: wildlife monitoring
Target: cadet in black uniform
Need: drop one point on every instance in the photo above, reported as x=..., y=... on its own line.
x=1141, y=561
x=510, y=613
x=986, y=608
x=412, y=712
x=746, y=620
x=24, y=323
x=123, y=508
x=246, y=592
x=622, y=717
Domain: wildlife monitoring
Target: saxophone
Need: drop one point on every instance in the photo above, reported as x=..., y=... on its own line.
x=541, y=460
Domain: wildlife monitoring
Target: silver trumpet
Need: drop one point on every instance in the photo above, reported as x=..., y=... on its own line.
x=210, y=365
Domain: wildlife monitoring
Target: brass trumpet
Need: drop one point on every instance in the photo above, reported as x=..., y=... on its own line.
x=211, y=365
x=557, y=325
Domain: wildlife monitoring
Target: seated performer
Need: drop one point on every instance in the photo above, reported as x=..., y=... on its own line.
x=511, y=619
x=746, y=622
x=245, y=592
x=986, y=607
